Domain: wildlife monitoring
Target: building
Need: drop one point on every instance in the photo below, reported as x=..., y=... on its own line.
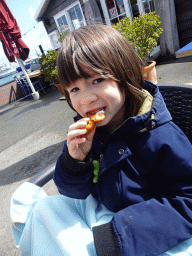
x=66, y=15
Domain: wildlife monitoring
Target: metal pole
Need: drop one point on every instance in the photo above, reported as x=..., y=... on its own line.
x=41, y=49
x=35, y=94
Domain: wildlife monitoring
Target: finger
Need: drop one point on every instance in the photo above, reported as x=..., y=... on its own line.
x=78, y=125
x=76, y=133
x=74, y=144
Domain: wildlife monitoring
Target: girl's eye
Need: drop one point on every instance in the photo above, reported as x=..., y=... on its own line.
x=98, y=80
x=75, y=89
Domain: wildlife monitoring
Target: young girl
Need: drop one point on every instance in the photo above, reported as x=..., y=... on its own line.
x=145, y=159
x=125, y=187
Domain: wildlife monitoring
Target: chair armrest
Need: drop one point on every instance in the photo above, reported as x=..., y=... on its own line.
x=178, y=98
x=44, y=176
x=176, y=86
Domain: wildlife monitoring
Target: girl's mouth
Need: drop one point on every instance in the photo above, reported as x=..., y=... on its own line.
x=96, y=111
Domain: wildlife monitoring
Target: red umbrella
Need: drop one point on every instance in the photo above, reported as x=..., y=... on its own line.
x=10, y=35
x=13, y=45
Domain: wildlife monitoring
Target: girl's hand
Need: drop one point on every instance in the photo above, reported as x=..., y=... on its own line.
x=78, y=142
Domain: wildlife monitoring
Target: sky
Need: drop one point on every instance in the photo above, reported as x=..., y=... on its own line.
x=24, y=12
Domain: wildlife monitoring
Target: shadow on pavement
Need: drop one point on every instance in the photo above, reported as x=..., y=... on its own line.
x=184, y=59
x=4, y=110
x=44, y=101
x=162, y=60
x=28, y=167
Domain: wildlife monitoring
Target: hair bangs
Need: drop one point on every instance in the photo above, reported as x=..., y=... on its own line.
x=75, y=63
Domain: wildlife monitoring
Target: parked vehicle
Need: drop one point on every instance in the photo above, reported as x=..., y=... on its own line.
x=35, y=64
x=27, y=66
x=32, y=64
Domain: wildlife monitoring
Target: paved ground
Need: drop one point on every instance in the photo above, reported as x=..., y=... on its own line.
x=31, y=138
x=177, y=72
x=32, y=135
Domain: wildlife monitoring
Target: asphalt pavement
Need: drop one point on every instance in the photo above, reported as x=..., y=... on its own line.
x=31, y=138
x=32, y=135
x=178, y=71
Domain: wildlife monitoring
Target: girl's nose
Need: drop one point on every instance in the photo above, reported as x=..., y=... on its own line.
x=88, y=98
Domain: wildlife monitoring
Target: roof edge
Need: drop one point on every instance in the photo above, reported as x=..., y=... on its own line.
x=41, y=9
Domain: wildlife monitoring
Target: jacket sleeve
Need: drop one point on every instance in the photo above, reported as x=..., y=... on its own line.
x=73, y=178
x=154, y=226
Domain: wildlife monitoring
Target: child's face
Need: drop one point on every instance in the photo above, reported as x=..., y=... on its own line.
x=96, y=93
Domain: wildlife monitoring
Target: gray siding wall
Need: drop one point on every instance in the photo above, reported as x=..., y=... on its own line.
x=184, y=20
x=90, y=9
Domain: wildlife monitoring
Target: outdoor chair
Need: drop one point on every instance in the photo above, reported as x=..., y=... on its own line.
x=25, y=91
x=178, y=99
x=37, y=84
x=54, y=88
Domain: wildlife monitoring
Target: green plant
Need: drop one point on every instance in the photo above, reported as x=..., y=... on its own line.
x=61, y=35
x=49, y=67
x=142, y=33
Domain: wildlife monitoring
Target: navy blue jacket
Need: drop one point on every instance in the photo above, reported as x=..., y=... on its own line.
x=145, y=178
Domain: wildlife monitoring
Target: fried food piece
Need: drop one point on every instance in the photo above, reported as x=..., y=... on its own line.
x=94, y=118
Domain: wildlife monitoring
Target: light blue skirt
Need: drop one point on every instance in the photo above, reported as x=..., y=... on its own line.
x=58, y=225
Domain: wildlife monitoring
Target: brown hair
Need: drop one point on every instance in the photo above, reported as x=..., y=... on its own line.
x=101, y=49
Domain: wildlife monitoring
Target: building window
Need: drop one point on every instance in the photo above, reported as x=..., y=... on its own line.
x=70, y=18
x=141, y=6
x=76, y=17
x=63, y=25
x=116, y=10
x=148, y=6
x=134, y=8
